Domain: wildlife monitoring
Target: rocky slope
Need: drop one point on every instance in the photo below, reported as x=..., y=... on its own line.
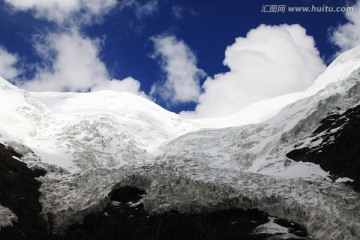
x=334, y=145
x=19, y=193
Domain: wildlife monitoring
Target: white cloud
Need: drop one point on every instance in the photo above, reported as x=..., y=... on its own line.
x=60, y=11
x=347, y=36
x=81, y=11
x=7, y=62
x=269, y=61
x=179, y=64
x=74, y=65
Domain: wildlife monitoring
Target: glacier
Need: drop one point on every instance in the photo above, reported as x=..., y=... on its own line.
x=92, y=143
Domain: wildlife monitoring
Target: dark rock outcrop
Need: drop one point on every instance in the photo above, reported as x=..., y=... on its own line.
x=19, y=192
x=335, y=146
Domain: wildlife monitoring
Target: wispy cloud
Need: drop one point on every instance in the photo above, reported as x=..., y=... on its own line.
x=146, y=9
x=269, y=61
x=347, y=36
x=7, y=64
x=141, y=8
x=180, y=12
x=178, y=63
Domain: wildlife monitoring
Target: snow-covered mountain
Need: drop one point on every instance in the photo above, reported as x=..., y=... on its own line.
x=91, y=143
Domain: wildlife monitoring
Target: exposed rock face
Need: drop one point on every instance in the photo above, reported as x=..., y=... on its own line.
x=19, y=193
x=334, y=145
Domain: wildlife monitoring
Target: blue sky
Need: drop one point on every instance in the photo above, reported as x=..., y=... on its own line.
x=201, y=58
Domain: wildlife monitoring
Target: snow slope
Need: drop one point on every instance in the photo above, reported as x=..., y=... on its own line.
x=94, y=142
x=144, y=121
x=114, y=126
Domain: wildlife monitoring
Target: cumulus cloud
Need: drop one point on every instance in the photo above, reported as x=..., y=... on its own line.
x=7, y=64
x=178, y=62
x=74, y=65
x=60, y=11
x=269, y=61
x=347, y=36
